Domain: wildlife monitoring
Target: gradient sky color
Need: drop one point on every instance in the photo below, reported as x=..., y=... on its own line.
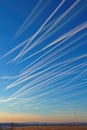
x=43, y=60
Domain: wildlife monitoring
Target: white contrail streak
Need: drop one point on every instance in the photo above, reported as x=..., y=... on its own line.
x=32, y=69
x=64, y=14
x=67, y=62
x=44, y=77
x=70, y=33
x=60, y=73
x=55, y=30
x=71, y=95
x=29, y=77
x=30, y=19
x=39, y=95
x=7, y=100
x=47, y=81
x=38, y=31
x=21, y=75
x=59, y=26
x=49, y=92
x=14, y=49
x=27, y=57
x=20, y=45
x=58, y=52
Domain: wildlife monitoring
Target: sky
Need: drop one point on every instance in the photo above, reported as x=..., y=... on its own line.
x=43, y=61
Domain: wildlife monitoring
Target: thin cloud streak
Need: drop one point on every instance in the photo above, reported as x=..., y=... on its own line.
x=54, y=24
x=38, y=31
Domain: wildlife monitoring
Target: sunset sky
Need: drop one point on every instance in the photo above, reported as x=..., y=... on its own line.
x=43, y=60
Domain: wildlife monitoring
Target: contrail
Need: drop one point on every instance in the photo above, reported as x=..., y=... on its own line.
x=64, y=68
x=51, y=105
x=51, y=102
x=58, y=52
x=43, y=61
x=53, y=72
x=43, y=50
x=56, y=75
x=50, y=27
x=42, y=38
x=50, y=61
x=71, y=95
x=51, y=44
x=20, y=45
x=70, y=33
x=74, y=59
x=30, y=19
x=23, y=74
x=24, y=79
x=30, y=99
x=81, y=66
x=48, y=75
x=29, y=77
x=64, y=89
x=7, y=100
x=7, y=77
x=46, y=93
x=38, y=31
x=14, y=49
x=72, y=80
x=61, y=74
x=55, y=90
x=59, y=64
x=61, y=99
x=67, y=89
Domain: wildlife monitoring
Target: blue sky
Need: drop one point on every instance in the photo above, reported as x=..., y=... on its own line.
x=43, y=60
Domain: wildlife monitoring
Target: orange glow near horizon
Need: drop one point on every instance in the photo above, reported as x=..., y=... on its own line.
x=10, y=117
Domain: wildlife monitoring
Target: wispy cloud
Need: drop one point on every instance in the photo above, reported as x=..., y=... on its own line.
x=50, y=67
